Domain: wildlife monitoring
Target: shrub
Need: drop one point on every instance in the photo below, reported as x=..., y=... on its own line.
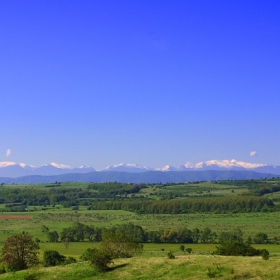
x=2, y=269
x=189, y=250
x=170, y=255
x=30, y=277
x=53, y=258
x=238, y=249
x=212, y=273
x=182, y=248
x=98, y=258
x=265, y=254
x=87, y=255
x=70, y=260
x=119, y=245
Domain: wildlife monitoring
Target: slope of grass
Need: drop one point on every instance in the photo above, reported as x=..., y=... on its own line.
x=182, y=267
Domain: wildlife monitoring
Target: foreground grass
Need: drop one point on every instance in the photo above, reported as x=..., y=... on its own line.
x=183, y=267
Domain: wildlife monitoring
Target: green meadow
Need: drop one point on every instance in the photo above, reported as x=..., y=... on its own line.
x=57, y=218
x=146, y=268
x=153, y=262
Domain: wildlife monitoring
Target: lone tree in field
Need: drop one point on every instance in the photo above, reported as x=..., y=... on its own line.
x=65, y=242
x=20, y=252
x=98, y=258
x=189, y=250
x=119, y=245
x=182, y=248
x=53, y=258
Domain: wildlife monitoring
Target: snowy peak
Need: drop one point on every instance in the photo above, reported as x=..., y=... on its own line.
x=227, y=164
x=61, y=166
x=7, y=163
x=130, y=167
x=13, y=169
x=167, y=168
x=217, y=165
x=85, y=167
x=4, y=164
x=233, y=163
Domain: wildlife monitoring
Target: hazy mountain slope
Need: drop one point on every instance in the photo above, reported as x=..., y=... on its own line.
x=143, y=177
x=12, y=169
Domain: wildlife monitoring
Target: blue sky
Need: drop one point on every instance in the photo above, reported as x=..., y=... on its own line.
x=146, y=82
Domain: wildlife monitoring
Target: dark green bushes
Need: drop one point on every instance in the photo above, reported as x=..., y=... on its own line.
x=113, y=245
x=170, y=255
x=53, y=258
x=229, y=204
x=239, y=249
x=98, y=258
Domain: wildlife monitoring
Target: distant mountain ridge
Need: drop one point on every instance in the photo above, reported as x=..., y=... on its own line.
x=140, y=177
x=130, y=167
x=12, y=169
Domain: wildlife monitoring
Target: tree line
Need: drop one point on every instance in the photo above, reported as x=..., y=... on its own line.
x=255, y=187
x=66, y=196
x=230, y=204
x=79, y=232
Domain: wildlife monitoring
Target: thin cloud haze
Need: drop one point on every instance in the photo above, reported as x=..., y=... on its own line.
x=8, y=152
x=253, y=154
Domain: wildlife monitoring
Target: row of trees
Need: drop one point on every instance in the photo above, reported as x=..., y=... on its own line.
x=122, y=196
x=114, y=188
x=53, y=194
x=228, y=204
x=255, y=187
x=81, y=232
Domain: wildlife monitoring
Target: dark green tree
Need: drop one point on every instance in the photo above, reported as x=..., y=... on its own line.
x=182, y=248
x=170, y=255
x=53, y=258
x=260, y=238
x=231, y=236
x=100, y=259
x=119, y=245
x=237, y=249
x=53, y=236
x=189, y=250
x=20, y=252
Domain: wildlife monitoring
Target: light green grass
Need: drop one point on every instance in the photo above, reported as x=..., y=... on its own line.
x=57, y=219
x=182, y=267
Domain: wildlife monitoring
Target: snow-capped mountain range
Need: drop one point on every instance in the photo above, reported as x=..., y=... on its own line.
x=13, y=169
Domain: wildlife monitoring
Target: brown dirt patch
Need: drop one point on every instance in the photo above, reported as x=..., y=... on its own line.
x=15, y=217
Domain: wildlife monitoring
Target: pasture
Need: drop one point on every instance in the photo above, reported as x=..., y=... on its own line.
x=57, y=218
x=153, y=262
x=145, y=268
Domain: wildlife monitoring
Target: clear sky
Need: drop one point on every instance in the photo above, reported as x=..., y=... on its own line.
x=151, y=82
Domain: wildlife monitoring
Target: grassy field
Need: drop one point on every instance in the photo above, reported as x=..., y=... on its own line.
x=76, y=249
x=147, y=268
x=57, y=218
x=191, y=190
x=153, y=263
